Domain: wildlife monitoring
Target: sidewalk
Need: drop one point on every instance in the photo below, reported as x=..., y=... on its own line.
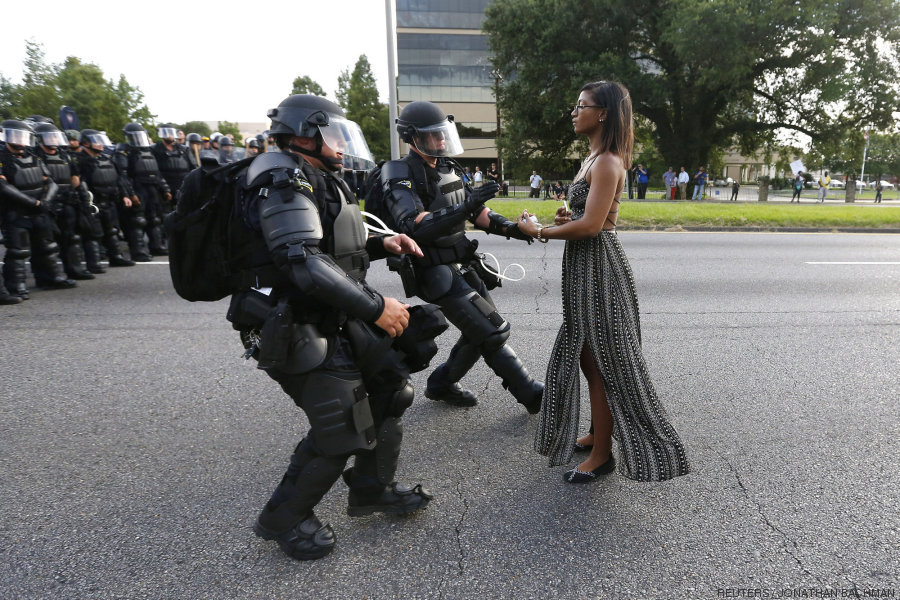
x=751, y=194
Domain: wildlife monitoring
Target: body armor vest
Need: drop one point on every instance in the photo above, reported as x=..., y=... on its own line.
x=142, y=166
x=60, y=171
x=451, y=191
x=345, y=231
x=174, y=162
x=28, y=175
x=104, y=177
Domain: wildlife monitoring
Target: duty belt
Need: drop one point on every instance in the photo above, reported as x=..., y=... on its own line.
x=461, y=252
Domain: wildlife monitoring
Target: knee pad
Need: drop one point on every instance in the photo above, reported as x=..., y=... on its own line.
x=496, y=340
x=474, y=316
x=140, y=222
x=337, y=407
x=74, y=239
x=400, y=401
x=18, y=253
x=437, y=281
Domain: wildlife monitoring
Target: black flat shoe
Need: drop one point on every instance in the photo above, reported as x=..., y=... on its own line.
x=576, y=476
x=582, y=447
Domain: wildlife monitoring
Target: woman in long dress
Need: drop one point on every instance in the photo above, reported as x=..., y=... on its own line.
x=601, y=327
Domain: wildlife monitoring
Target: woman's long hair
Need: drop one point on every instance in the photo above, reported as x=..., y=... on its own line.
x=617, y=135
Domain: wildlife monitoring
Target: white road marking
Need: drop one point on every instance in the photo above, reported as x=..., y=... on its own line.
x=854, y=263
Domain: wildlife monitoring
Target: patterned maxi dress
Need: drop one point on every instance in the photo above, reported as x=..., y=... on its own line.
x=600, y=308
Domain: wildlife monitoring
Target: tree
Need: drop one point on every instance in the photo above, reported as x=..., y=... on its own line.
x=196, y=127
x=358, y=95
x=305, y=85
x=10, y=98
x=226, y=127
x=707, y=75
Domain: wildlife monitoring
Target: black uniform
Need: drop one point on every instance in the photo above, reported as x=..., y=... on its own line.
x=28, y=228
x=108, y=186
x=140, y=166
x=70, y=211
x=447, y=275
x=174, y=165
x=315, y=335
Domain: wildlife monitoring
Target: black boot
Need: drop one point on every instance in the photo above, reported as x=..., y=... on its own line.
x=307, y=540
x=393, y=499
x=92, y=257
x=443, y=382
x=157, y=241
x=5, y=296
x=75, y=262
x=114, y=254
x=507, y=365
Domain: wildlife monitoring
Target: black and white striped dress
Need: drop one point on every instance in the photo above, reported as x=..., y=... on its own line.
x=600, y=308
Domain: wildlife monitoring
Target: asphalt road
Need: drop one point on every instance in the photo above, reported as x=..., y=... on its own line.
x=136, y=446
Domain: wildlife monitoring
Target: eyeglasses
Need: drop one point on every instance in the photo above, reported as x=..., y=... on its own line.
x=580, y=106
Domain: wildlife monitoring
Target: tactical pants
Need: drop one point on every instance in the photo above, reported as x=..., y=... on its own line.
x=133, y=222
x=320, y=458
x=30, y=236
x=70, y=240
x=152, y=203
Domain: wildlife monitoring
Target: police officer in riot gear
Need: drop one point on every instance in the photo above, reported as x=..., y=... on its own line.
x=27, y=195
x=172, y=159
x=151, y=191
x=341, y=350
x=110, y=189
x=195, y=146
x=226, y=149
x=71, y=198
x=253, y=147
x=426, y=198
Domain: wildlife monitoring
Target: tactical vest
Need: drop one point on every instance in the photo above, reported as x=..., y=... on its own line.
x=27, y=174
x=172, y=163
x=60, y=171
x=142, y=166
x=104, y=178
x=451, y=192
x=345, y=233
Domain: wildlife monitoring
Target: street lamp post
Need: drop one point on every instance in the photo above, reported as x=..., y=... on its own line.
x=497, y=79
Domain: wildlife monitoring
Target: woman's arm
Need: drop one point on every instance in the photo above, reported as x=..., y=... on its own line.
x=604, y=177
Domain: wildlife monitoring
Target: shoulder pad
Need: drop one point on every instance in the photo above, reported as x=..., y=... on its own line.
x=395, y=169
x=269, y=161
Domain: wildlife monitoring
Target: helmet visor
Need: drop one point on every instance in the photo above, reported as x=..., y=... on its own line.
x=440, y=139
x=53, y=138
x=18, y=137
x=346, y=137
x=139, y=139
x=167, y=133
x=100, y=139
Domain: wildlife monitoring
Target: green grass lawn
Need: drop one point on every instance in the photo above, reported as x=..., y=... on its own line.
x=673, y=214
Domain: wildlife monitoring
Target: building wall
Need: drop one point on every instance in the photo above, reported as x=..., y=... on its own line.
x=443, y=57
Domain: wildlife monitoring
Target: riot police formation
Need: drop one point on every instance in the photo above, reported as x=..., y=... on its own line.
x=72, y=209
x=331, y=341
x=426, y=198
x=111, y=190
x=151, y=195
x=172, y=159
x=27, y=197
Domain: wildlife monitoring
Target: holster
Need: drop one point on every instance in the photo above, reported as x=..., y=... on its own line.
x=275, y=336
x=403, y=265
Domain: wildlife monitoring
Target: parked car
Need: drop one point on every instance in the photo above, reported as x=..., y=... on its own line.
x=886, y=185
x=723, y=182
x=860, y=185
x=837, y=184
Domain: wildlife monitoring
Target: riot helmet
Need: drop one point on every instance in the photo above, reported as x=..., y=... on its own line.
x=93, y=138
x=194, y=138
x=48, y=135
x=166, y=132
x=308, y=115
x=424, y=126
x=17, y=134
x=73, y=135
x=253, y=147
x=136, y=135
x=226, y=149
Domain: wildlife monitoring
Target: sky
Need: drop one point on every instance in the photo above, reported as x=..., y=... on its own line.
x=181, y=54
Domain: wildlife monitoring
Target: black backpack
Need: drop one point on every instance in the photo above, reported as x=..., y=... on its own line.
x=200, y=230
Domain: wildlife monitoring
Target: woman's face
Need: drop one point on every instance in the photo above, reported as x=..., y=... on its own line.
x=585, y=116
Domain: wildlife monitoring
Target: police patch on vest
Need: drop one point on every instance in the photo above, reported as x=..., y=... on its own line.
x=405, y=183
x=303, y=184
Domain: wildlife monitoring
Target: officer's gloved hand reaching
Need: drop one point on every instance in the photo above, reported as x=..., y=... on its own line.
x=478, y=196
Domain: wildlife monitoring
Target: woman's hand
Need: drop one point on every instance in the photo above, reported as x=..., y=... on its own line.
x=526, y=225
x=563, y=216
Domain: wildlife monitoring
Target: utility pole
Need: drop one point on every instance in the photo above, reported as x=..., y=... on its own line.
x=392, y=78
x=862, y=176
x=497, y=79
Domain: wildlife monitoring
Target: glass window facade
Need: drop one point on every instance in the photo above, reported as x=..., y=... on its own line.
x=446, y=14
x=443, y=68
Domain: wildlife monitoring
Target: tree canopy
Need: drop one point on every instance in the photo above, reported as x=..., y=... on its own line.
x=99, y=103
x=358, y=95
x=305, y=85
x=703, y=75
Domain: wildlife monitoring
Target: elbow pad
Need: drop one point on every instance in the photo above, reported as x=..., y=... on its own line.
x=317, y=275
x=11, y=192
x=440, y=223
